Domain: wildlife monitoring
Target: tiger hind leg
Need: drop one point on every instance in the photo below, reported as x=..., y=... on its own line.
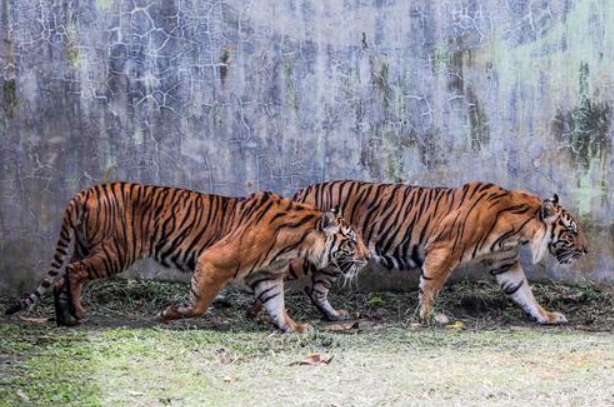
x=270, y=293
x=101, y=263
x=512, y=280
x=64, y=311
x=436, y=270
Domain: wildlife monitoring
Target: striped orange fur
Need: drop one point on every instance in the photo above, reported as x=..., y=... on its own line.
x=250, y=240
x=437, y=229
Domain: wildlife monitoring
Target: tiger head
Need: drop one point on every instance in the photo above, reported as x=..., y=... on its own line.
x=344, y=248
x=566, y=240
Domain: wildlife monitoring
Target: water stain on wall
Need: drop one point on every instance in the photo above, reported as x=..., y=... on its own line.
x=478, y=121
x=292, y=97
x=9, y=97
x=430, y=146
x=455, y=58
x=380, y=77
x=225, y=63
x=9, y=85
x=459, y=56
x=369, y=159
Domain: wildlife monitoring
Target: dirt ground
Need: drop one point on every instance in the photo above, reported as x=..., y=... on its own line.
x=488, y=353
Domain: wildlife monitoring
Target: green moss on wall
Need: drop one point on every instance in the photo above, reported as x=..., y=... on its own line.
x=104, y=4
x=9, y=97
x=584, y=130
x=478, y=121
x=291, y=92
x=380, y=77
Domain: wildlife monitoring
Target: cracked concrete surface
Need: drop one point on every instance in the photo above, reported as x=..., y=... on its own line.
x=235, y=96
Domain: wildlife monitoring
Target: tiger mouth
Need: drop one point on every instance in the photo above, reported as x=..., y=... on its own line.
x=567, y=257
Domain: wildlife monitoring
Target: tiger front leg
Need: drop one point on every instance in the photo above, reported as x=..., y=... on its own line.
x=319, y=298
x=209, y=279
x=69, y=310
x=514, y=283
x=317, y=288
x=270, y=293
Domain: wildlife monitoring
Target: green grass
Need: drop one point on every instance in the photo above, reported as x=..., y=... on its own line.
x=43, y=366
x=122, y=357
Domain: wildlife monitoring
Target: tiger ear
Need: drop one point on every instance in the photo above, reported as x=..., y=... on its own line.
x=548, y=211
x=329, y=222
x=555, y=199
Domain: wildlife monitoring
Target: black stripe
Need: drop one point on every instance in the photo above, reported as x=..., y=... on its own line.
x=298, y=224
x=511, y=290
x=265, y=292
x=264, y=211
x=423, y=276
x=357, y=203
x=504, y=268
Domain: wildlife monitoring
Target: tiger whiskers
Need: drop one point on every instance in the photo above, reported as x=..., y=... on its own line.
x=567, y=258
x=349, y=271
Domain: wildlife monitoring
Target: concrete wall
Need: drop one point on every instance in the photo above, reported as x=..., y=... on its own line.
x=234, y=96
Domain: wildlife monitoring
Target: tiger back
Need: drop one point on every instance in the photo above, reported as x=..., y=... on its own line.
x=437, y=229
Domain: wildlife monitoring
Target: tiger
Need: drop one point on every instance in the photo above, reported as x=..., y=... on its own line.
x=245, y=240
x=438, y=229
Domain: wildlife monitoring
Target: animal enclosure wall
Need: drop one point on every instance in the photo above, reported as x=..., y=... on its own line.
x=235, y=96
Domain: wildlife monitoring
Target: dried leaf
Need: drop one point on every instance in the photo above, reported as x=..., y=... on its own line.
x=345, y=326
x=35, y=321
x=456, y=325
x=313, y=360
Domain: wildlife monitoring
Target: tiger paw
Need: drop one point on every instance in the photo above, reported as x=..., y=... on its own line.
x=162, y=317
x=553, y=318
x=80, y=313
x=339, y=315
x=159, y=317
x=65, y=318
x=425, y=318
